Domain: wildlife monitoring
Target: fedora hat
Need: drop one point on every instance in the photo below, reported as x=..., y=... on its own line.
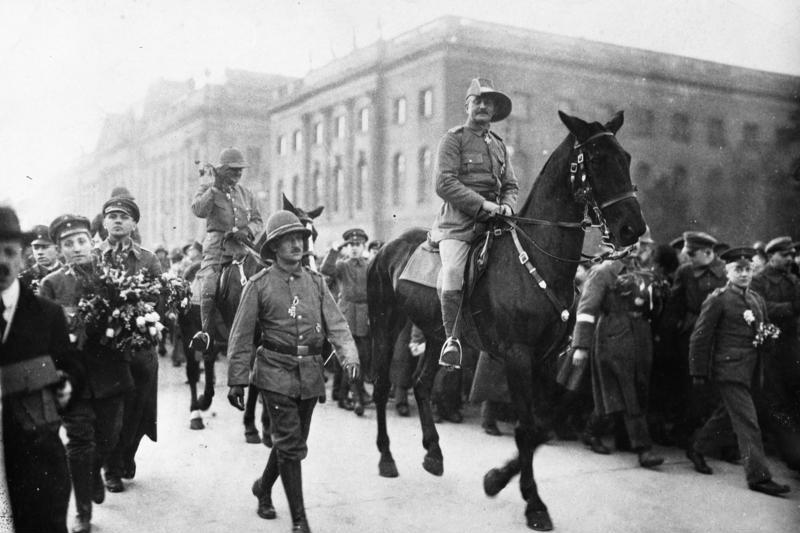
x=10, y=228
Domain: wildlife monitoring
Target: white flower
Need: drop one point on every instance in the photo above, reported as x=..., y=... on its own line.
x=110, y=333
x=749, y=317
x=140, y=321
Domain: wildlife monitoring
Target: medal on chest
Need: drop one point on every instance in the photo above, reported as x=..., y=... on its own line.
x=293, y=308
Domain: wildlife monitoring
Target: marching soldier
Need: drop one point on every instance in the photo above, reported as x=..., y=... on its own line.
x=45, y=252
x=295, y=313
x=350, y=272
x=120, y=217
x=723, y=350
x=475, y=180
x=94, y=419
x=232, y=217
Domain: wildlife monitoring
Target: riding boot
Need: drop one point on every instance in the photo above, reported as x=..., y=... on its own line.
x=202, y=339
x=291, y=476
x=83, y=485
x=262, y=487
x=98, y=487
x=450, y=355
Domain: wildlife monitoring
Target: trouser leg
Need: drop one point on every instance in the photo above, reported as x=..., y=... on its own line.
x=636, y=426
x=208, y=296
x=743, y=418
x=79, y=422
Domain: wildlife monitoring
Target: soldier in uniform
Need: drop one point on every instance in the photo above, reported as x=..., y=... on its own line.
x=94, y=418
x=781, y=291
x=119, y=250
x=723, y=350
x=295, y=313
x=33, y=345
x=45, y=252
x=694, y=280
x=350, y=272
x=232, y=217
x=475, y=180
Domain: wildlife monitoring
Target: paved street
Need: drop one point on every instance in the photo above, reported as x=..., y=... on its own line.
x=199, y=481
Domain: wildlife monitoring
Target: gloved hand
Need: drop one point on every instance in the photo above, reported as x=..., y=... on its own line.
x=353, y=370
x=506, y=210
x=236, y=397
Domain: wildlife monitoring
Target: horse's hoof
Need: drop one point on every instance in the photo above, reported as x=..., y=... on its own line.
x=493, y=482
x=539, y=520
x=196, y=423
x=204, y=401
x=252, y=438
x=388, y=469
x=433, y=465
x=267, y=440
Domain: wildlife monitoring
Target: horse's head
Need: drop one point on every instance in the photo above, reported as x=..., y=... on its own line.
x=307, y=218
x=600, y=178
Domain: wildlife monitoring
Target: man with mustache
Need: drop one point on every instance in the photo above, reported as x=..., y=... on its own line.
x=475, y=180
x=45, y=252
x=295, y=312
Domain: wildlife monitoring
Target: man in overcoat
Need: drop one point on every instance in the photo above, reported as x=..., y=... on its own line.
x=295, y=312
x=119, y=250
x=781, y=291
x=33, y=347
x=724, y=350
x=475, y=180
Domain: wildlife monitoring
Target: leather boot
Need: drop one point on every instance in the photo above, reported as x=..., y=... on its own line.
x=262, y=487
x=450, y=355
x=82, y=483
x=291, y=476
x=648, y=459
x=98, y=487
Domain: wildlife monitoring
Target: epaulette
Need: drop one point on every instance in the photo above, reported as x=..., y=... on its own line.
x=493, y=134
x=457, y=129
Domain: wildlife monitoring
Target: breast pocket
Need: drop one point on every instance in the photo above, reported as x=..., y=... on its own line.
x=472, y=162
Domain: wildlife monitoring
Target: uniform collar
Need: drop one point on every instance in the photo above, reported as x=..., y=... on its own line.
x=286, y=273
x=107, y=246
x=478, y=132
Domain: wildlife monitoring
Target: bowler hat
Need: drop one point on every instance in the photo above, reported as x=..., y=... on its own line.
x=9, y=227
x=484, y=87
x=123, y=204
x=779, y=244
x=41, y=235
x=738, y=254
x=282, y=223
x=231, y=158
x=67, y=225
x=697, y=240
x=355, y=235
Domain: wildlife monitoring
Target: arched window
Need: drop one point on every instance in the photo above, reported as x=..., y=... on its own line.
x=398, y=177
x=278, y=197
x=317, y=185
x=296, y=199
x=361, y=181
x=424, y=177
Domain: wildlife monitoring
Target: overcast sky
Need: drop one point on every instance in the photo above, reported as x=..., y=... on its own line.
x=67, y=63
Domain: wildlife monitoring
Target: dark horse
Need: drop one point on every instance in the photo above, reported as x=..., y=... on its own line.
x=520, y=304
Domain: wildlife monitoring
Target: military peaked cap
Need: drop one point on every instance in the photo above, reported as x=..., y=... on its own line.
x=697, y=240
x=484, y=87
x=355, y=235
x=41, y=235
x=740, y=254
x=779, y=244
x=67, y=225
x=122, y=204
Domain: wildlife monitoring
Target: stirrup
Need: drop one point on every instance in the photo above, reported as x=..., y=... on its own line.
x=200, y=342
x=450, y=356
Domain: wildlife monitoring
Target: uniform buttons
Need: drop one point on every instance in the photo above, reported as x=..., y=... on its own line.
x=299, y=336
x=299, y=317
x=299, y=356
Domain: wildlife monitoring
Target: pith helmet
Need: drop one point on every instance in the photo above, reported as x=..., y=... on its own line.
x=231, y=158
x=282, y=223
x=484, y=87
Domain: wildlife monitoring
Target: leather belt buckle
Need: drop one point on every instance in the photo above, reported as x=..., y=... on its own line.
x=302, y=350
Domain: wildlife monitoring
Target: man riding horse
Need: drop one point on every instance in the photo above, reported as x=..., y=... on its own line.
x=475, y=180
x=232, y=218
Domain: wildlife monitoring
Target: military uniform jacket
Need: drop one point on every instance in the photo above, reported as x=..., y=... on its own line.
x=36, y=273
x=471, y=166
x=352, y=277
x=692, y=286
x=106, y=373
x=132, y=258
x=291, y=309
x=225, y=211
x=781, y=291
x=721, y=345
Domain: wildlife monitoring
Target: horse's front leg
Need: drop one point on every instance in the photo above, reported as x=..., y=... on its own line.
x=423, y=385
x=381, y=364
x=204, y=400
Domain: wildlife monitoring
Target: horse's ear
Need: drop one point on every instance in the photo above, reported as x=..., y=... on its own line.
x=576, y=126
x=616, y=121
x=287, y=205
x=317, y=211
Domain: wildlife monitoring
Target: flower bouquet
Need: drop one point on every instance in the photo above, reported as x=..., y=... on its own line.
x=764, y=330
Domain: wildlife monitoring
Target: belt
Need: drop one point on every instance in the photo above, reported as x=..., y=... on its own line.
x=300, y=349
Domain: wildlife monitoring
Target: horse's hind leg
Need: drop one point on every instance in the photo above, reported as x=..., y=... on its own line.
x=382, y=361
x=204, y=400
x=423, y=385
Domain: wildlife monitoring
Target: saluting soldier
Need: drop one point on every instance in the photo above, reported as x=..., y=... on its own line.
x=781, y=291
x=45, y=253
x=232, y=217
x=120, y=217
x=94, y=418
x=295, y=312
x=475, y=181
x=350, y=272
x=723, y=350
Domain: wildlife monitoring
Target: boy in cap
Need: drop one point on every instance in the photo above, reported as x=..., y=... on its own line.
x=45, y=252
x=722, y=349
x=94, y=419
x=295, y=312
x=34, y=344
x=475, y=181
x=232, y=217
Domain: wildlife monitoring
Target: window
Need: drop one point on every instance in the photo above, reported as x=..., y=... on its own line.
x=296, y=190
x=363, y=119
x=400, y=111
x=297, y=141
x=750, y=133
x=341, y=127
x=317, y=185
x=337, y=187
x=281, y=146
x=361, y=181
x=716, y=132
x=318, y=133
x=278, y=196
x=398, y=177
x=680, y=128
x=426, y=103
x=424, y=176
x=644, y=121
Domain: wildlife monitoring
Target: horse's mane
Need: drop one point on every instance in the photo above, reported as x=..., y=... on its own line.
x=557, y=158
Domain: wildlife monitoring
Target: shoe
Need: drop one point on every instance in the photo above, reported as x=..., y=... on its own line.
x=492, y=429
x=648, y=459
x=345, y=404
x=301, y=527
x=265, y=508
x=596, y=445
x=200, y=342
x=267, y=440
x=114, y=484
x=698, y=461
x=455, y=417
x=450, y=356
x=769, y=487
x=82, y=524
x=98, y=488
x=196, y=423
x=403, y=410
